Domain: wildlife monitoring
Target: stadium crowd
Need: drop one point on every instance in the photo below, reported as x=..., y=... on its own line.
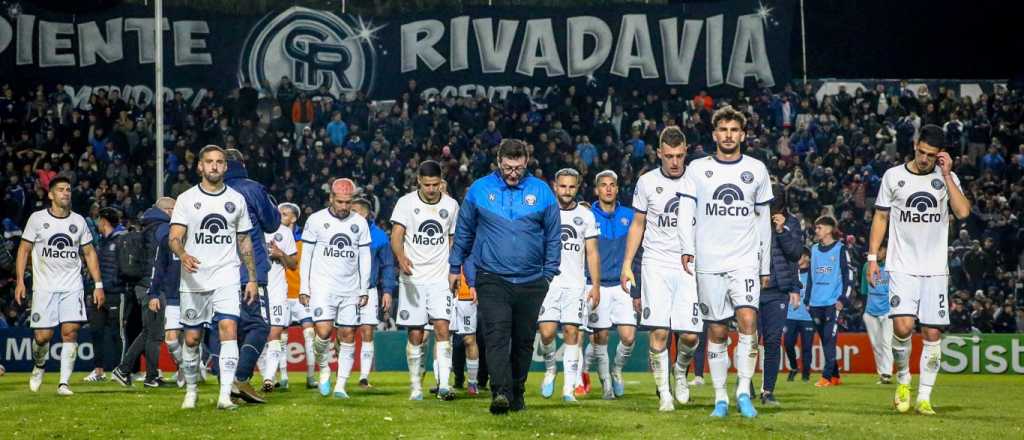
x=829, y=155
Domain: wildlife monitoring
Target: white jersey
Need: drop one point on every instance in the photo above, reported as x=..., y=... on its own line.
x=213, y=222
x=56, y=244
x=285, y=241
x=656, y=195
x=428, y=231
x=334, y=253
x=918, y=208
x=726, y=232
x=578, y=226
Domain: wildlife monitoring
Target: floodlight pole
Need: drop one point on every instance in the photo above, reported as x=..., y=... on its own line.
x=159, y=29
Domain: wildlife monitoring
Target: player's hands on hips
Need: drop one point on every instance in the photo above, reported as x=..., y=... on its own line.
x=453, y=283
x=190, y=263
x=304, y=299
x=945, y=163
x=794, y=300
x=764, y=281
x=251, y=292
x=19, y=293
x=687, y=260
x=778, y=221
x=472, y=293
x=385, y=301
x=626, y=279
x=363, y=299
x=594, y=296
x=404, y=264
x=154, y=305
x=873, y=273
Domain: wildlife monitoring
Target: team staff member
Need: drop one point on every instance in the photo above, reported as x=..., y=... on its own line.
x=510, y=222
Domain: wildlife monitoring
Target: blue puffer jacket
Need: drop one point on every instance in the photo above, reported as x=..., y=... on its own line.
x=166, y=274
x=263, y=213
x=786, y=250
x=511, y=230
x=106, y=253
x=382, y=268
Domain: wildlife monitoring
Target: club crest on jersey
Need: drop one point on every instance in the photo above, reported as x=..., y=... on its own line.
x=327, y=226
x=937, y=184
x=531, y=199
x=704, y=309
x=198, y=205
x=73, y=229
x=60, y=246
x=658, y=190
x=213, y=229
x=578, y=221
x=894, y=301
x=36, y=317
x=647, y=312
x=593, y=317
x=747, y=177
x=319, y=311
x=404, y=314
x=416, y=211
x=430, y=233
x=901, y=183
x=191, y=314
x=694, y=321
x=278, y=237
x=229, y=207
x=355, y=229
x=46, y=226
x=942, y=313
x=624, y=221
x=709, y=173
x=443, y=213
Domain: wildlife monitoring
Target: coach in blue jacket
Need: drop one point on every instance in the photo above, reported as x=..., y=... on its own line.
x=509, y=221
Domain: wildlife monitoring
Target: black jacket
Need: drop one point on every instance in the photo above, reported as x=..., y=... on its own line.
x=786, y=250
x=106, y=253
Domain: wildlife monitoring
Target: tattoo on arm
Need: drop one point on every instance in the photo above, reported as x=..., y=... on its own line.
x=175, y=240
x=245, y=252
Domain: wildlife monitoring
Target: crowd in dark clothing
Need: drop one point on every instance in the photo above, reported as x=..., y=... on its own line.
x=828, y=154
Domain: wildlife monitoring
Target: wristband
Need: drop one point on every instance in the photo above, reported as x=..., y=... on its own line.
x=99, y=285
x=873, y=257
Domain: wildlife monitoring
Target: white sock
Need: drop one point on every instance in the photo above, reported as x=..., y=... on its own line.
x=622, y=353
x=346, y=357
x=365, y=360
x=901, y=359
x=414, y=357
x=174, y=348
x=588, y=357
x=322, y=354
x=308, y=336
x=273, y=359
x=931, y=356
x=548, y=351
x=68, y=353
x=40, y=353
x=583, y=364
x=601, y=355
x=746, y=361
x=443, y=356
x=228, y=365
x=190, y=366
x=684, y=354
x=282, y=366
x=571, y=366
x=718, y=362
x=261, y=362
x=472, y=370
x=659, y=366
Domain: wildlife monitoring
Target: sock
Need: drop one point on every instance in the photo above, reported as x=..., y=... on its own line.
x=901, y=359
x=321, y=352
x=472, y=370
x=190, y=366
x=931, y=355
x=346, y=357
x=174, y=348
x=228, y=364
x=588, y=358
x=571, y=365
x=601, y=355
x=547, y=351
x=414, y=356
x=282, y=366
x=746, y=361
x=718, y=363
x=443, y=356
x=622, y=353
x=659, y=366
x=68, y=353
x=273, y=359
x=684, y=354
x=583, y=366
x=40, y=353
x=308, y=335
x=365, y=360
x=435, y=369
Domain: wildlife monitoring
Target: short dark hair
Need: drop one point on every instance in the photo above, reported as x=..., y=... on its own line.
x=57, y=180
x=671, y=136
x=429, y=168
x=826, y=220
x=512, y=149
x=364, y=202
x=933, y=135
x=111, y=215
x=728, y=113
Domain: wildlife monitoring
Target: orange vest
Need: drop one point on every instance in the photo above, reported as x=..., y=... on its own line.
x=292, y=275
x=463, y=294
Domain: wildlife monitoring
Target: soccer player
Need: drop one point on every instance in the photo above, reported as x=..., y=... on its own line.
x=421, y=238
x=828, y=287
x=916, y=198
x=298, y=313
x=800, y=325
x=382, y=277
x=616, y=307
x=210, y=235
x=283, y=254
x=724, y=224
x=54, y=237
x=567, y=299
x=335, y=270
x=668, y=295
x=876, y=318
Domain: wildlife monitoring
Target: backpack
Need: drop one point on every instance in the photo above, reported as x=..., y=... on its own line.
x=133, y=258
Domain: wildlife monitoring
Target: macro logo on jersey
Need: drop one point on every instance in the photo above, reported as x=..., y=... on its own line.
x=339, y=247
x=922, y=202
x=314, y=48
x=60, y=246
x=430, y=233
x=670, y=214
x=213, y=230
x=722, y=200
x=567, y=233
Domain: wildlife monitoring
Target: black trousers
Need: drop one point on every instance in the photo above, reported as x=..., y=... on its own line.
x=108, y=329
x=805, y=331
x=148, y=342
x=508, y=314
x=771, y=322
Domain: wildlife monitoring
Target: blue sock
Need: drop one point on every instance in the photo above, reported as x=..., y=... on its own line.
x=253, y=341
x=213, y=347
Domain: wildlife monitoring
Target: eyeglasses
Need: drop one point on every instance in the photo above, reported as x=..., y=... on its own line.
x=508, y=170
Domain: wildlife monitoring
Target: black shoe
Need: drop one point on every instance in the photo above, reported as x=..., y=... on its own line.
x=365, y=384
x=244, y=391
x=120, y=377
x=499, y=405
x=805, y=378
x=768, y=399
x=433, y=390
x=792, y=376
x=518, y=403
x=157, y=382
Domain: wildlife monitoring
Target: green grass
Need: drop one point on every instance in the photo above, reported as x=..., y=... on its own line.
x=969, y=407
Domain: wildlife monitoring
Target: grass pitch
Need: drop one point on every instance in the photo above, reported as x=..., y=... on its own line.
x=969, y=406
